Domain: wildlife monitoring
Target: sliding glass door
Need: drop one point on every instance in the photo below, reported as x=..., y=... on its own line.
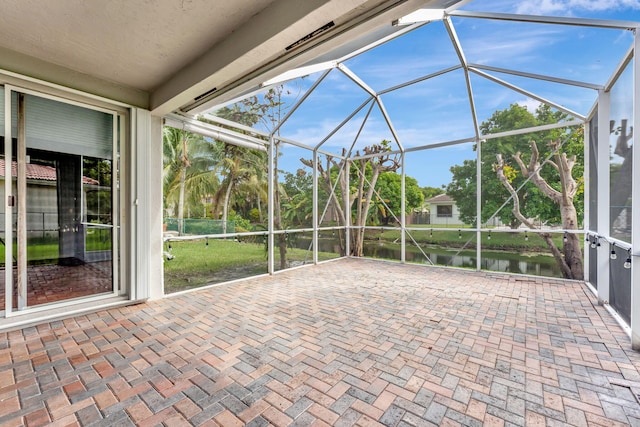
x=59, y=234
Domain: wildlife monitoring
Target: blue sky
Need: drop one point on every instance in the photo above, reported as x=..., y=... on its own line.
x=438, y=110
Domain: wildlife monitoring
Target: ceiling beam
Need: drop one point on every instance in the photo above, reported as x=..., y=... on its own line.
x=262, y=38
x=256, y=52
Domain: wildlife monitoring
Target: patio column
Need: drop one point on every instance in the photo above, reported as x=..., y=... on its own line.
x=270, y=209
x=635, y=206
x=147, y=206
x=403, y=211
x=315, y=206
x=347, y=210
x=479, y=224
x=603, y=226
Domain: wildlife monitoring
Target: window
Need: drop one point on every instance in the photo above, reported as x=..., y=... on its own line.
x=444, y=211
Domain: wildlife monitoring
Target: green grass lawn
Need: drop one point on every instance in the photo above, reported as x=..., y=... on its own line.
x=459, y=236
x=46, y=249
x=197, y=264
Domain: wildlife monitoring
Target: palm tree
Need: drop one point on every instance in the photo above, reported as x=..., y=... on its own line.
x=241, y=168
x=253, y=191
x=189, y=161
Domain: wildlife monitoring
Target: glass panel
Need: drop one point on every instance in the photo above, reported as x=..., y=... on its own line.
x=375, y=132
x=534, y=201
x=193, y=263
x=520, y=253
x=598, y=10
x=201, y=226
x=68, y=202
x=375, y=191
x=328, y=109
x=386, y=202
x=295, y=187
x=500, y=109
x=447, y=179
x=450, y=248
x=97, y=220
x=264, y=110
x=292, y=249
x=332, y=184
x=620, y=144
x=330, y=244
x=347, y=136
x=593, y=173
x=431, y=111
x=593, y=264
x=210, y=187
x=74, y=255
x=573, y=98
x=620, y=285
x=546, y=49
x=421, y=52
x=382, y=243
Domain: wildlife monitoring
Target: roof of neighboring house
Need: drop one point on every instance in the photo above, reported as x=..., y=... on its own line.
x=41, y=172
x=441, y=198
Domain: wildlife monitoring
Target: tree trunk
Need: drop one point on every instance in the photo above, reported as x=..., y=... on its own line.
x=570, y=260
x=324, y=180
x=225, y=206
x=357, y=236
x=183, y=179
x=572, y=249
x=383, y=163
x=281, y=238
x=363, y=211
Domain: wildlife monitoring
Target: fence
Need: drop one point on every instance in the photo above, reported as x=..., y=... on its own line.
x=195, y=226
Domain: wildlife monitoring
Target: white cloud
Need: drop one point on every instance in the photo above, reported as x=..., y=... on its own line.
x=544, y=7
x=520, y=46
x=530, y=104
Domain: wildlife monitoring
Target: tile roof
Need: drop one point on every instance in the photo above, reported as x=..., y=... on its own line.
x=41, y=172
x=440, y=198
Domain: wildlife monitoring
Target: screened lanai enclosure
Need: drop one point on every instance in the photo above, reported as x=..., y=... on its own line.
x=467, y=137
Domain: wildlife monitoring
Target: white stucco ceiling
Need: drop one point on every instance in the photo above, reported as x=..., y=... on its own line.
x=164, y=54
x=133, y=42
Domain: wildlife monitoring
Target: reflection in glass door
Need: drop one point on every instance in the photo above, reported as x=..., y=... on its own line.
x=61, y=202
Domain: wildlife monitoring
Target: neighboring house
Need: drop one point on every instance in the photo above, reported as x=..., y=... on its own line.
x=444, y=210
x=42, y=201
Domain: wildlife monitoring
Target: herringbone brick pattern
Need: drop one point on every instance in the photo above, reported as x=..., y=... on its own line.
x=351, y=342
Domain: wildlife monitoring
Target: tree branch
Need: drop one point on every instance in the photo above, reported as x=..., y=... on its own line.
x=541, y=183
x=514, y=195
x=554, y=164
x=523, y=168
x=566, y=270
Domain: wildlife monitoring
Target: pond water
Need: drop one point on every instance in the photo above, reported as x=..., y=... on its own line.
x=538, y=264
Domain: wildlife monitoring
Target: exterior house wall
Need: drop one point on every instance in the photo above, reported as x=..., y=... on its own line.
x=454, y=219
x=42, y=214
x=139, y=201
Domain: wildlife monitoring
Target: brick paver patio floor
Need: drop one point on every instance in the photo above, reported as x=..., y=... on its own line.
x=351, y=342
